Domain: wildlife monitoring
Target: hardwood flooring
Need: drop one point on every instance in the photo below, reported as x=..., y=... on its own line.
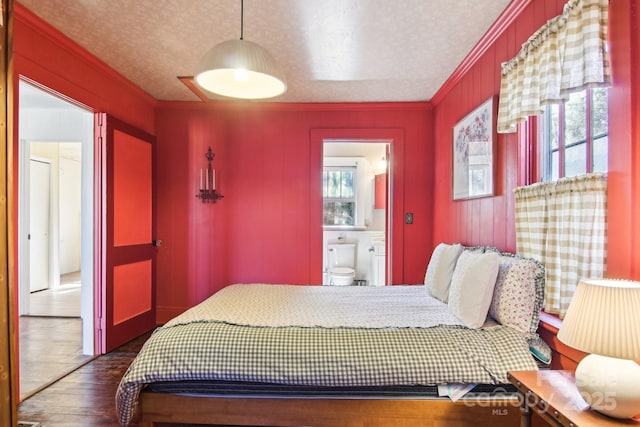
x=50, y=347
x=64, y=301
x=86, y=396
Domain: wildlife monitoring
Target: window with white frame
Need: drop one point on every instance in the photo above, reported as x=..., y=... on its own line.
x=574, y=135
x=339, y=196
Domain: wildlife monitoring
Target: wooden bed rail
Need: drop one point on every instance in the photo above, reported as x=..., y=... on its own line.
x=156, y=409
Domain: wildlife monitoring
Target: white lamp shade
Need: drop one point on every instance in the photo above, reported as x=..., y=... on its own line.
x=240, y=69
x=604, y=318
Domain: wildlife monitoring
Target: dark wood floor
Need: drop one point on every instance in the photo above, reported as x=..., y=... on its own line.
x=85, y=397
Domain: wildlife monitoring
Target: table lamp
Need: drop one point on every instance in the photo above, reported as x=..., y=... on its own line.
x=604, y=319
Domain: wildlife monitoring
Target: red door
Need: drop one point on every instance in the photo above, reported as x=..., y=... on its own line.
x=126, y=252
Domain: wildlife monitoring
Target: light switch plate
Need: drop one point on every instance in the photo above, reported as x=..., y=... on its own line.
x=408, y=218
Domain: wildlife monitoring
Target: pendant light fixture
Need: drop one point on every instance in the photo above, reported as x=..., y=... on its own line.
x=240, y=69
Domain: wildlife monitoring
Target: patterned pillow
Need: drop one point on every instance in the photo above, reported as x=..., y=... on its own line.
x=441, y=265
x=474, y=249
x=519, y=293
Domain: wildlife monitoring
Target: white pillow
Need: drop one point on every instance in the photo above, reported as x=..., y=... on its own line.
x=472, y=284
x=441, y=266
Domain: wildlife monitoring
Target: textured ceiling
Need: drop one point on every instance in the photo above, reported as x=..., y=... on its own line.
x=330, y=50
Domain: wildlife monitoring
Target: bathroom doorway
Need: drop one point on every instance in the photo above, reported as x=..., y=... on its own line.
x=356, y=193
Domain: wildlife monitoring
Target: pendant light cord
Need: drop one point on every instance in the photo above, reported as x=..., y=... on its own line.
x=241, y=19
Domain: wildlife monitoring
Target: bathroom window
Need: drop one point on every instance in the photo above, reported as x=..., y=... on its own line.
x=339, y=196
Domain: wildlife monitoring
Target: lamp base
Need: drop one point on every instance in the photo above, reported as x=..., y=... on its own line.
x=610, y=385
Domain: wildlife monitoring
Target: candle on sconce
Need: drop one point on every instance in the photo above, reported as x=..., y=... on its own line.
x=208, y=192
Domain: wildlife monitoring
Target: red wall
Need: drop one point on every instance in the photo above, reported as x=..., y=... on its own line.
x=623, y=257
x=49, y=58
x=461, y=220
x=45, y=56
x=490, y=220
x=266, y=158
x=268, y=163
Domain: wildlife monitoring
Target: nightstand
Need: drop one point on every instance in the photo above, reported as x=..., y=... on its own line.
x=554, y=396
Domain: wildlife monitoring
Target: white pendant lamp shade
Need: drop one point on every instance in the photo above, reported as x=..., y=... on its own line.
x=240, y=69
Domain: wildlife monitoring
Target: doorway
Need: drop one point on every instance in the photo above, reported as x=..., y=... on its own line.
x=356, y=194
x=55, y=236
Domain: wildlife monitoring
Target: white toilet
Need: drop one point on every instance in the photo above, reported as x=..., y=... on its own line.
x=341, y=263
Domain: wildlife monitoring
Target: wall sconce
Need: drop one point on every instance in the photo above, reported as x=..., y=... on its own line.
x=208, y=191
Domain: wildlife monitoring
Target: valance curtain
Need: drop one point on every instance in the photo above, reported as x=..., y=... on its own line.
x=567, y=54
x=563, y=224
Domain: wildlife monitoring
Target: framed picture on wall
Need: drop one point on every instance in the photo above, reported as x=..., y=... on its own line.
x=473, y=146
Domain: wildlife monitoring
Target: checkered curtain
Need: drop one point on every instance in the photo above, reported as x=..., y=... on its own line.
x=563, y=224
x=567, y=54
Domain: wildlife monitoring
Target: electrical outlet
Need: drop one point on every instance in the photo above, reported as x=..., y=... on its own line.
x=408, y=218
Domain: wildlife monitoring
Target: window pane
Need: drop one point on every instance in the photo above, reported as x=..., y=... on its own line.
x=569, y=140
x=333, y=187
x=339, y=196
x=554, y=166
x=339, y=213
x=599, y=113
x=324, y=183
x=554, y=113
x=575, y=117
x=548, y=140
x=575, y=160
x=347, y=184
x=601, y=154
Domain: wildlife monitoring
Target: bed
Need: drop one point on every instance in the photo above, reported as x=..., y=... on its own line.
x=283, y=355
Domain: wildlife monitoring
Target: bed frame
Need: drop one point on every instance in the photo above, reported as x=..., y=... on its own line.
x=155, y=409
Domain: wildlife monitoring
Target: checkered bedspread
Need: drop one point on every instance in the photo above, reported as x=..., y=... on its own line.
x=212, y=350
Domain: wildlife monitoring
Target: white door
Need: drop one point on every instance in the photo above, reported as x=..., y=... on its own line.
x=39, y=189
x=70, y=218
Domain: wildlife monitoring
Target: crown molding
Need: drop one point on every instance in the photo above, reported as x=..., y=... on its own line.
x=506, y=18
x=45, y=29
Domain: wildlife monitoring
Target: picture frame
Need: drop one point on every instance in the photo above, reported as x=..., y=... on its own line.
x=473, y=153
